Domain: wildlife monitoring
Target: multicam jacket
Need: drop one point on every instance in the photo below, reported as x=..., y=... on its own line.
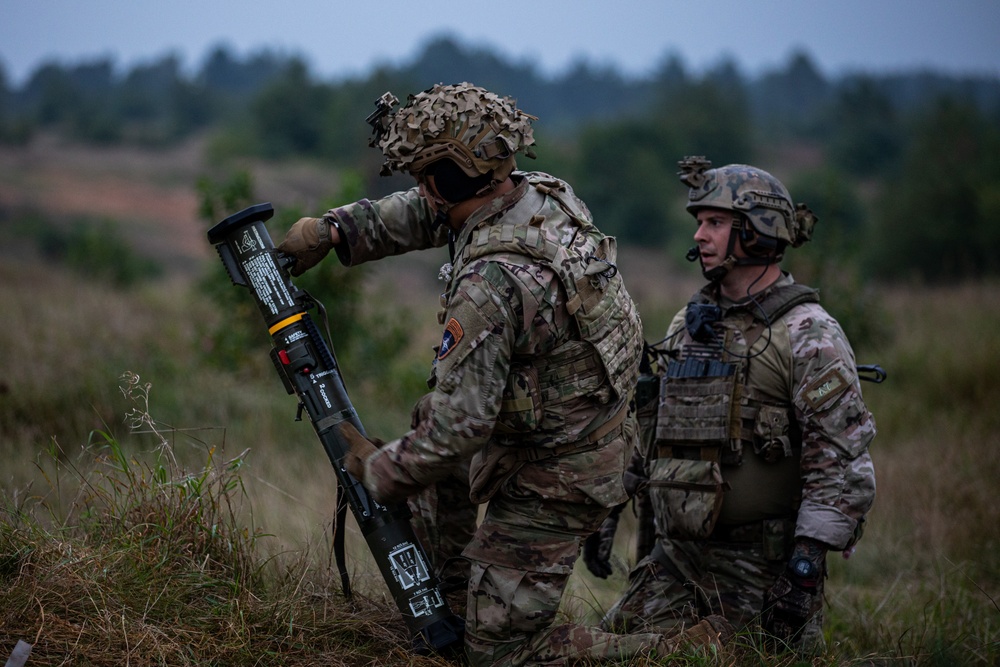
x=776, y=429
x=541, y=341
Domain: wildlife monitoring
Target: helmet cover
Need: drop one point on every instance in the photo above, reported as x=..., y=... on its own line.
x=478, y=130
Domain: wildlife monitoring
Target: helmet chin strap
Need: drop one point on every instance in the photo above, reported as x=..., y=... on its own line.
x=719, y=272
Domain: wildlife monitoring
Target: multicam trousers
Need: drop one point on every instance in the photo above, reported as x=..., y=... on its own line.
x=444, y=520
x=686, y=580
x=522, y=556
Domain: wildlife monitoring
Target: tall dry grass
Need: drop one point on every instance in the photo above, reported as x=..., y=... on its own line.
x=923, y=588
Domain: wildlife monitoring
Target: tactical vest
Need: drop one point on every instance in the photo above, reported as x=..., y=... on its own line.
x=708, y=415
x=604, y=312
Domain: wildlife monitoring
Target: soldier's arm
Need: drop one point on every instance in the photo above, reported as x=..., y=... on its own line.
x=471, y=371
x=393, y=225
x=837, y=428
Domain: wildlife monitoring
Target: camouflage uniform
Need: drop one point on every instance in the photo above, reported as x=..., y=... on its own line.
x=792, y=462
x=531, y=382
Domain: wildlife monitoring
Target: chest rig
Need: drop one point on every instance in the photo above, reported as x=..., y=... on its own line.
x=549, y=226
x=708, y=412
x=708, y=409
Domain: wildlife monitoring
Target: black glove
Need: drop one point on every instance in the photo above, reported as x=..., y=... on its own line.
x=597, y=546
x=787, y=608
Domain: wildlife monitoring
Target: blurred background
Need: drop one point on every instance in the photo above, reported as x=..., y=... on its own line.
x=128, y=129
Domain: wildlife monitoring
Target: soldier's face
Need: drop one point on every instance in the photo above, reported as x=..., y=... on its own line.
x=712, y=236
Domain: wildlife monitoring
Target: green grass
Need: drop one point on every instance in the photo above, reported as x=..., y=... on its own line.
x=186, y=520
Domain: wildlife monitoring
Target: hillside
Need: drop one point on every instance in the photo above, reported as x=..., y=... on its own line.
x=151, y=197
x=922, y=588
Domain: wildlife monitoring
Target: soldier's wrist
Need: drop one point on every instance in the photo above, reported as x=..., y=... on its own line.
x=333, y=231
x=806, y=566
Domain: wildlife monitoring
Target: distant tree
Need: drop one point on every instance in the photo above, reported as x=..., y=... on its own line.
x=865, y=131
x=833, y=197
x=72, y=99
x=50, y=94
x=5, y=110
x=225, y=74
x=670, y=75
x=144, y=94
x=15, y=128
x=938, y=220
x=706, y=119
x=788, y=100
x=621, y=173
x=289, y=114
x=726, y=75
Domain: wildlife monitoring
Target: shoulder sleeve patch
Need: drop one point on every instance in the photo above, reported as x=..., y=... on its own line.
x=824, y=389
x=452, y=336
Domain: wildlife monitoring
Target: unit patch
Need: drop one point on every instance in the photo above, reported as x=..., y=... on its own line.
x=452, y=336
x=829, y=385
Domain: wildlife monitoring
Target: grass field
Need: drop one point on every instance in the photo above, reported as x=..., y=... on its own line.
x=201, y=536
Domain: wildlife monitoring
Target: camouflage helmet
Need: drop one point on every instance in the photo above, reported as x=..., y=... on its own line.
x=753, y=192
x=478, y=130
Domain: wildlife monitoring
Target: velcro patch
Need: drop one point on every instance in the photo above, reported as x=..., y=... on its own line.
x=452, y=336
x=830, y=385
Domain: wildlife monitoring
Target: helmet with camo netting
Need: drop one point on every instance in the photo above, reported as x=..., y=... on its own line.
x=478, y=130
x=753, y=192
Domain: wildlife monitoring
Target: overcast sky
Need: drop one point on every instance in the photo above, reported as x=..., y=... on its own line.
x=342, y=38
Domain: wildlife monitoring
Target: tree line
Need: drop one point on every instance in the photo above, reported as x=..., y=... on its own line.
x=902, y=169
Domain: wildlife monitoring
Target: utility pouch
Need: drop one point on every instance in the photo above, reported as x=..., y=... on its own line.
x=778, y=536
x=521, y=406
x=687, y=497
x=771, y=440
x=647, y=392
x=698, y=410
x=491, y=466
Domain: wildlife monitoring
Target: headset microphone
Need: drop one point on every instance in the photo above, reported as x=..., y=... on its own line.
x=692, y=254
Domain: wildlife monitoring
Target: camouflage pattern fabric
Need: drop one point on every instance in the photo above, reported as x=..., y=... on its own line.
x=801, y=469
x=444, y=521
x=501, y=310
x=478, y=130
x=694, y=579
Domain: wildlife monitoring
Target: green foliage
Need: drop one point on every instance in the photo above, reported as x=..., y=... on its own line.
x=126, y=552
x=938, y=220
x=615, y=139
x=921, y=588
x=289, y=115
x=94, y=250
x=366, y=336
x=831, y=260
x=620, y=175
x=239, y=327
x=866, y=136
x=626, y=170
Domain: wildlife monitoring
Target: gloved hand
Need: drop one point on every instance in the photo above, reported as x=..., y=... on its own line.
x=787, y=608
x=359, y=450
x=308, y=241
x=597, y=547
x=711, y=632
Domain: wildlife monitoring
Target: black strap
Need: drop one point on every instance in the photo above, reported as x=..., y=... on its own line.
x=661, y=557
x=338, y=541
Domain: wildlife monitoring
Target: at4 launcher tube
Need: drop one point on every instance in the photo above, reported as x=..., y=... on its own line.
x=308, y=368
